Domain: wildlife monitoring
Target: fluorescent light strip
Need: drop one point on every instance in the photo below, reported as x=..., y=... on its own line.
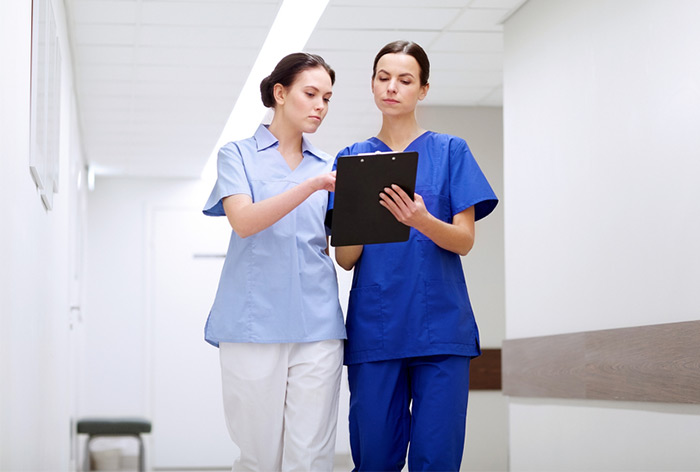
x=293, y=25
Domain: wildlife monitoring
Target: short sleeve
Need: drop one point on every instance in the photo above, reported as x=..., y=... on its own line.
x=231, y=179
x=468, y=184
x=331, y=195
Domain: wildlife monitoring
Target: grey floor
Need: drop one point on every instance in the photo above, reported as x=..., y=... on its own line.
x=343, y=463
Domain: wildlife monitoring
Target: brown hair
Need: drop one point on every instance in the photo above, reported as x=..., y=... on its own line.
x=410, y=48
x=286, y=72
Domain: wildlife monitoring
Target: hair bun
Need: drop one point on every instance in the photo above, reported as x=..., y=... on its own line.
x=266, y=92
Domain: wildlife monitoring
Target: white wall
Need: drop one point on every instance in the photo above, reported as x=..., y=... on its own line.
x=120, y=315
x=117, y=312
x=601, y=106
x=40, y=266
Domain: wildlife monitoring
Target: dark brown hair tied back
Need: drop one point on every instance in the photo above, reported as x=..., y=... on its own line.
x=410, y=48
x=286, y=72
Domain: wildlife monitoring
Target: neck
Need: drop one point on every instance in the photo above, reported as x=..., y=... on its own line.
x=289, y=138
x=399, y=131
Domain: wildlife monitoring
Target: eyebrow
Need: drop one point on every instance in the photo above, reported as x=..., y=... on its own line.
x=400, y=75
x=317, y=89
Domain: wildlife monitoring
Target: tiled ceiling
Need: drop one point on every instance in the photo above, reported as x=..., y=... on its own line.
x=156, y=79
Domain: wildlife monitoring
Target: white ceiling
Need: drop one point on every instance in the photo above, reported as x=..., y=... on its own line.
x=156, y=79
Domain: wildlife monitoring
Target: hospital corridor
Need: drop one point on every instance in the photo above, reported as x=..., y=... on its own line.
x=582, y=116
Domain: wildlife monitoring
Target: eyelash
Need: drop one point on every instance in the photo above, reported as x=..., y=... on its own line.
x=405, y=82
x=311, y=95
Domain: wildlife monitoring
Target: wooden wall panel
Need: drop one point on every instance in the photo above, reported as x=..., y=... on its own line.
x=647, y=363
x=546, y=366
x=485, y=371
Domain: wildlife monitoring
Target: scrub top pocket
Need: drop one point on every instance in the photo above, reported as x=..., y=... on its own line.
x=450, y=319
x=365, y=323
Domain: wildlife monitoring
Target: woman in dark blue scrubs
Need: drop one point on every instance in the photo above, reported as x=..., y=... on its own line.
x=411, y=330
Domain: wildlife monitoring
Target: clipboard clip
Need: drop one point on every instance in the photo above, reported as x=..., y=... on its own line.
x=393, y=158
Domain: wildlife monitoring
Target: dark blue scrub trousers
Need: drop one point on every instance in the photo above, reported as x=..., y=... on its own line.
x=417, y=400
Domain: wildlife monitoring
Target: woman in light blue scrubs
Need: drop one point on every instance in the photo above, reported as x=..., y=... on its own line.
x=411, y=330
x=276, y=317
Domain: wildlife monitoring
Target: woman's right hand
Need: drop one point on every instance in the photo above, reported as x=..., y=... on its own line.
x=323, y=182
x=248, y=218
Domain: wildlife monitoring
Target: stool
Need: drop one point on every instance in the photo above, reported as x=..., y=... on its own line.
x=95, y=427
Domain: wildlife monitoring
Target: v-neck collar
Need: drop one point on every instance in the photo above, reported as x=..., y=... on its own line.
x=388, y=149
x=265, y=139
x=266, y=142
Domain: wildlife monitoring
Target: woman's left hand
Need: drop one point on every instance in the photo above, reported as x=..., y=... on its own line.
x=407, y=211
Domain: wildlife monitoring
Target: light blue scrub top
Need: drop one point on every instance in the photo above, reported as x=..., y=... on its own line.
x=410, y=299
x=276, y=286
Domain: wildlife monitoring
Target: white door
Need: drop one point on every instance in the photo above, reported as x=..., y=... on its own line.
x=187, y=254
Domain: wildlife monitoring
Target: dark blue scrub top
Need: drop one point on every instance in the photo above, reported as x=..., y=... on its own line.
x=410, y=299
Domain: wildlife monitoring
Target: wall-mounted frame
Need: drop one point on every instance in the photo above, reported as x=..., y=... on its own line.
x=45, y=101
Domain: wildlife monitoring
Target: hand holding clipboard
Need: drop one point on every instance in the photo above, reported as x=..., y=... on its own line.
x=358, y=217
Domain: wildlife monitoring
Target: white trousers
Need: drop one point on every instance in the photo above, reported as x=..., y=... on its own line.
x=281, y=403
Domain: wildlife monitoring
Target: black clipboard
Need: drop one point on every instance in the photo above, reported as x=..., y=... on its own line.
x=357, y=216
